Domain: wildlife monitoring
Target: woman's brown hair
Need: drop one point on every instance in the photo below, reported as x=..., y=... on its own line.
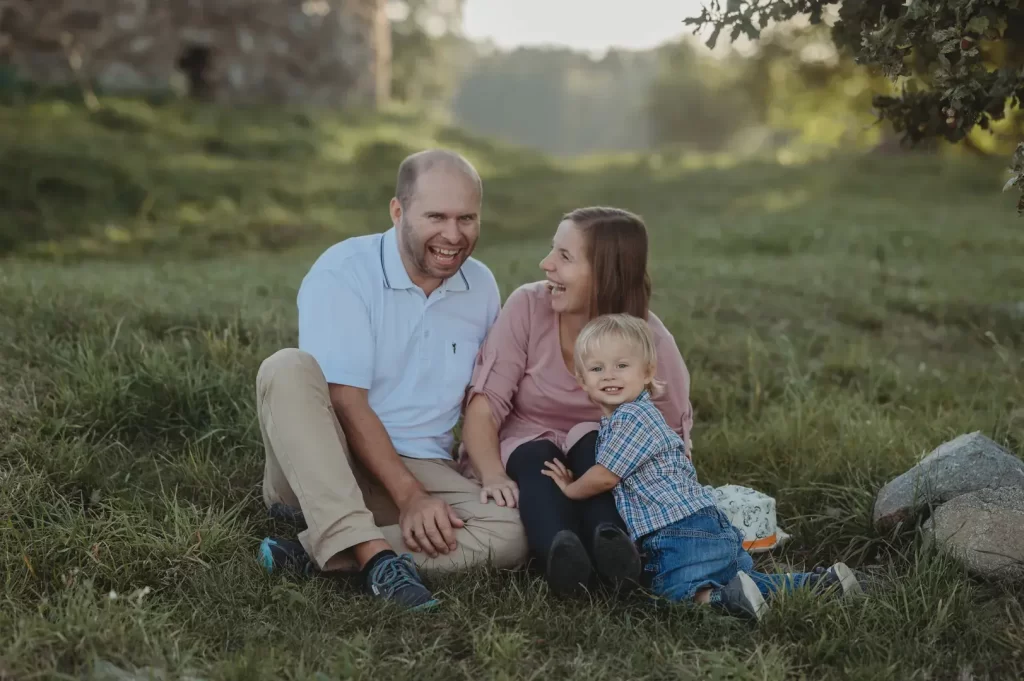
x=617, y=251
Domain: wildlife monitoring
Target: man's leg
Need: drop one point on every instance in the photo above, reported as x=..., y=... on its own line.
x=308, y=465
x=492, y=534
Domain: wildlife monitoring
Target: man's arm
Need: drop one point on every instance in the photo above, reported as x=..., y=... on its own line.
x=371, y=444
x=426, y=521
x=335, y=328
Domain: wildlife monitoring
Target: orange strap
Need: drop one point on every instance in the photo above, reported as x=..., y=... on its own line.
x=763, y=543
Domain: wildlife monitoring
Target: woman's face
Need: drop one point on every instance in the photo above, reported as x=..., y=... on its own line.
x=568, y=271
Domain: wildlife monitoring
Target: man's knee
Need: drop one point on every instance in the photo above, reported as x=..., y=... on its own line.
x=505, y=535
x=285, y=362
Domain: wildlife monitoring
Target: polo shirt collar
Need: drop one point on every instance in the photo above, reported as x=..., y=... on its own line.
x=395, y=274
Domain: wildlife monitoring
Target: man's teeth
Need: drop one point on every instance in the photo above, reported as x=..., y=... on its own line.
x=447, y=252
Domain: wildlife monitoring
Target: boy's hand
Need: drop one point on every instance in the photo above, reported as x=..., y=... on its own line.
x=557, y=471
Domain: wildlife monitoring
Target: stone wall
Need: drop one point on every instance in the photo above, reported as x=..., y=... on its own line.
x=320, y=52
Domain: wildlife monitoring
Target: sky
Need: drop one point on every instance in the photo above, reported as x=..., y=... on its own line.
x=590, y=25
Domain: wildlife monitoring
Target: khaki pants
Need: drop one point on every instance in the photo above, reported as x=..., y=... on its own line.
x=308, y=466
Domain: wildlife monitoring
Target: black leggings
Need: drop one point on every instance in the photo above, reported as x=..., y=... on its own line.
x=544, y=509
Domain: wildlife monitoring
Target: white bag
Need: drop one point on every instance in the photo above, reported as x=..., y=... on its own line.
x=753, y=513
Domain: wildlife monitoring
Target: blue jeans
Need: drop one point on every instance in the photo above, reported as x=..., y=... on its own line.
x=704, y=550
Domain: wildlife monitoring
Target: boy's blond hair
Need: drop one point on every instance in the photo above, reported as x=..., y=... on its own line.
x=628, y=328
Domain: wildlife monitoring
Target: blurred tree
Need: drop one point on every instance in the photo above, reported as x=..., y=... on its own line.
x=698, y=102
x=428, y=49
x=959, y=63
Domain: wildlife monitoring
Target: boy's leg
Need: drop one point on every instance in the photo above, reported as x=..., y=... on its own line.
x=492, y=534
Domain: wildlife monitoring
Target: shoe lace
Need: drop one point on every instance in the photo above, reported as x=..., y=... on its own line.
x=396, y=573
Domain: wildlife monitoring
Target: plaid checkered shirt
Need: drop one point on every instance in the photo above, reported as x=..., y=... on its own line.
x=659, y=483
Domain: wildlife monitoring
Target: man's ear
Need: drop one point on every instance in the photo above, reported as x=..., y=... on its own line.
x=395, y=209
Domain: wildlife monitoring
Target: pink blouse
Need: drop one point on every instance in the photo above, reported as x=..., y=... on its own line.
x=533, y=395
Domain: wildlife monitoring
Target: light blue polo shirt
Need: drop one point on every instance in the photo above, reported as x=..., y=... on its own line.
x=369, y=326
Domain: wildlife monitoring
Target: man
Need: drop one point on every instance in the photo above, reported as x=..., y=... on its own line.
x=357, y=422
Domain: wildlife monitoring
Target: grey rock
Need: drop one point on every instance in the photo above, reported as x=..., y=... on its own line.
x=103, y=670
x=982, y=530
x=968, y=463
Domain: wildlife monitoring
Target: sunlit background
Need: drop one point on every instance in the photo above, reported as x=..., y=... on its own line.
x=575, y=77
x=578, y=24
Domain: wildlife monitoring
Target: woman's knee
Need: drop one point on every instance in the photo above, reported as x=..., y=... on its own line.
x=530, y=457
x=583, y=454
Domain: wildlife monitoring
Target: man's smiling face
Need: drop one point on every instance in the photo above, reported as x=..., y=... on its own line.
x=439, y=228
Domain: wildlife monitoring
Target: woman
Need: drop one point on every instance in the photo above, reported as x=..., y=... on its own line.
x=524, y=406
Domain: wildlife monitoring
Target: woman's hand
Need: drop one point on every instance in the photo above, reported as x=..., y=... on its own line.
x=557, y=471
x=501, y=488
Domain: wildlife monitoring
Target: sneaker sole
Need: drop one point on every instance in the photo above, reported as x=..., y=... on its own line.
x=426, y=607
x=753, y=595
x=616, y=559
x=847, y=580
x=568, y=568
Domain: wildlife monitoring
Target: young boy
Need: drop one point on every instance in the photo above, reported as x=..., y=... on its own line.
x=691, y=551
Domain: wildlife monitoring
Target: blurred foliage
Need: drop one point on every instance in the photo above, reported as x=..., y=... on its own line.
x=427, y=50
x=558, y=100
x=958, y=64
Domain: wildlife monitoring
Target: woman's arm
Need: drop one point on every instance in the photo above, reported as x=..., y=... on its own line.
x=500, y=367
x=674, y=403
x=480, y=435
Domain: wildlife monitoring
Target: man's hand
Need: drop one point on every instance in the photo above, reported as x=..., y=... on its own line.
x=557, y=471
x=502, y=489
x=427, y=524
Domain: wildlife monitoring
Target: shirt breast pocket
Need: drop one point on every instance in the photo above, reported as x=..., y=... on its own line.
x=460, y=356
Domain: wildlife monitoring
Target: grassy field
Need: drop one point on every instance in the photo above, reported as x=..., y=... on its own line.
x=839, y=319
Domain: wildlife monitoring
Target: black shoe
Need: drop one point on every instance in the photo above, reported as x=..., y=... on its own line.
x=615, y=555
x=395, y=579
x=283, y=554
x=568, y=568
x=742, y=598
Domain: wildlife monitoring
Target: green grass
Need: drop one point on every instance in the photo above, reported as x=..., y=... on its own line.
x=838, y=319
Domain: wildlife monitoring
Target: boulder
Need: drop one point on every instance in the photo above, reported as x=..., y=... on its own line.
x=982, y=530
x=968, y=463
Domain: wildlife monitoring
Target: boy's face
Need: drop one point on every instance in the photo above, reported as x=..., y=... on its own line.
x=615, y=373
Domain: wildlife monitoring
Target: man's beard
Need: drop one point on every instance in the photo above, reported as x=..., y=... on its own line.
x=418, y=253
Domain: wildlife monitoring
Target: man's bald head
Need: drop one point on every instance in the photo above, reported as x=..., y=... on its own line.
x=422, y=162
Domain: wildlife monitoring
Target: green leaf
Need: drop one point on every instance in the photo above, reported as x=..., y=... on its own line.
x=978, y=24
x=713, y=40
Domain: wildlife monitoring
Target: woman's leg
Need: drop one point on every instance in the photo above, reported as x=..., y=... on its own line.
x=550, y=518
x=599, y=509
x=604, y=533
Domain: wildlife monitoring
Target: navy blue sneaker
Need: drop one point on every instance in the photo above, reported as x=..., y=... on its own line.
x=283, y=554
x=838, y=580
x=287, y=514
x=394, y=578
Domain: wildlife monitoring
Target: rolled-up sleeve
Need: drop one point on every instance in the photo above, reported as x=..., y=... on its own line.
x=501, y=361
x=334, y=327
x=674, y=402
